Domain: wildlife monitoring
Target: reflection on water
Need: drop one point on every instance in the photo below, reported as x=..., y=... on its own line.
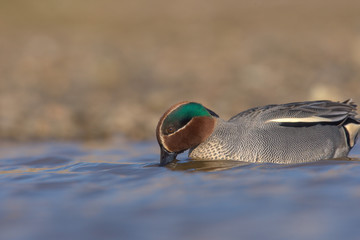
x=206, y=166
x=115, y=190
x=217, y=165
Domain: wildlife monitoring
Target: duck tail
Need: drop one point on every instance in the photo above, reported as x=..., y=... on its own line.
x=352, y=124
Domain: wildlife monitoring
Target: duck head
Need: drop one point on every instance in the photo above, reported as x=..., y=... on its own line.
x=183, y=126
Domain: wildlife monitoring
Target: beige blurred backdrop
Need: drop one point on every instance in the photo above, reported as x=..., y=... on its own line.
x=76, y=69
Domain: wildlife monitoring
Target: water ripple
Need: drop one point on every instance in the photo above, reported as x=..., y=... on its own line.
x=90, y=191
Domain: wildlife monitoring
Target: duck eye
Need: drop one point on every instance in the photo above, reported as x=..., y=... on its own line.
x=170, y=130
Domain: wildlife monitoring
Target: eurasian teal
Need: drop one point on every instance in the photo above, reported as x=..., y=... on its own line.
x=285, y=133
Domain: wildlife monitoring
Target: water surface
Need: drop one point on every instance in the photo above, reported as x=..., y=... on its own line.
x=115, y=190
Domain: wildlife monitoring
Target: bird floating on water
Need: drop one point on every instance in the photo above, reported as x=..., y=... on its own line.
x=283, y=133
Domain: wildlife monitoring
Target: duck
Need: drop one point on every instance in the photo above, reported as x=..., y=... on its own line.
x=295, y=132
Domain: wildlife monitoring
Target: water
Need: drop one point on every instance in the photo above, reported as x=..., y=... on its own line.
x=115, y=190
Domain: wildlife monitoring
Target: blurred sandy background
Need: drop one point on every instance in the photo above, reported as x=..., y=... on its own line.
x=76, y=69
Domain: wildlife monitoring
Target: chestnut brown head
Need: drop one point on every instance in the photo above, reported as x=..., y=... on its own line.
x=185, y=125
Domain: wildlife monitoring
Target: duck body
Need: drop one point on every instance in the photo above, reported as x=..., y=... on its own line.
x=285, y=133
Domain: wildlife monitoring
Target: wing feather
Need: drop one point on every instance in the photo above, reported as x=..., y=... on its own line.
x=311, y=112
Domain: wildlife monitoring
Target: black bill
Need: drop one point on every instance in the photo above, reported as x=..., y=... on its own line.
x=166, y=157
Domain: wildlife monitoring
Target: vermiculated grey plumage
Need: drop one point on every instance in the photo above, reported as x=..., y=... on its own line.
x=288, y=133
